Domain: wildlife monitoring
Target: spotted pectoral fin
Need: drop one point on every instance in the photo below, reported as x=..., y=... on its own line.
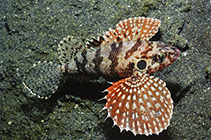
x=138, y=28
x=141, y=104
x=69, y=48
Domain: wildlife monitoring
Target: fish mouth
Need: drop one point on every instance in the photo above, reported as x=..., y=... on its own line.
x=175, y=53
x=172, y=52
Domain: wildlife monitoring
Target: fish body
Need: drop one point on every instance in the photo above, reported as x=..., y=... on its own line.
x=123, y=58
x=138, y=102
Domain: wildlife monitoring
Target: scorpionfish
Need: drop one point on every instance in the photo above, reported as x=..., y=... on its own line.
x=138, y=102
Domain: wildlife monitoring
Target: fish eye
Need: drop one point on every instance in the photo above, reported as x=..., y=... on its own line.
x=141, y=64
x=159, y=57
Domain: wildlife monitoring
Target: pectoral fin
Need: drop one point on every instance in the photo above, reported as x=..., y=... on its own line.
x=141, y=104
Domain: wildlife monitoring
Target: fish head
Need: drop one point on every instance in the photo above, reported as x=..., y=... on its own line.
x=163, y=56
x=155, y=57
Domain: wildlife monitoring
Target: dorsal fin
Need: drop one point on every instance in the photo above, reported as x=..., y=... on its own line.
x=95, y=42
x=68, y=48
x=132, y=29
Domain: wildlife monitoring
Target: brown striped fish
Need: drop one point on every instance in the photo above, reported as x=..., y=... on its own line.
x=138, y=102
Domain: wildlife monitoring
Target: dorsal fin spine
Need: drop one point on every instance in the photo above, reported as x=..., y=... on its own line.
x=132, y=29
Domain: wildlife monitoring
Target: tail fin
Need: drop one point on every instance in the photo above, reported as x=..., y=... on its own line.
x=43, y=79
